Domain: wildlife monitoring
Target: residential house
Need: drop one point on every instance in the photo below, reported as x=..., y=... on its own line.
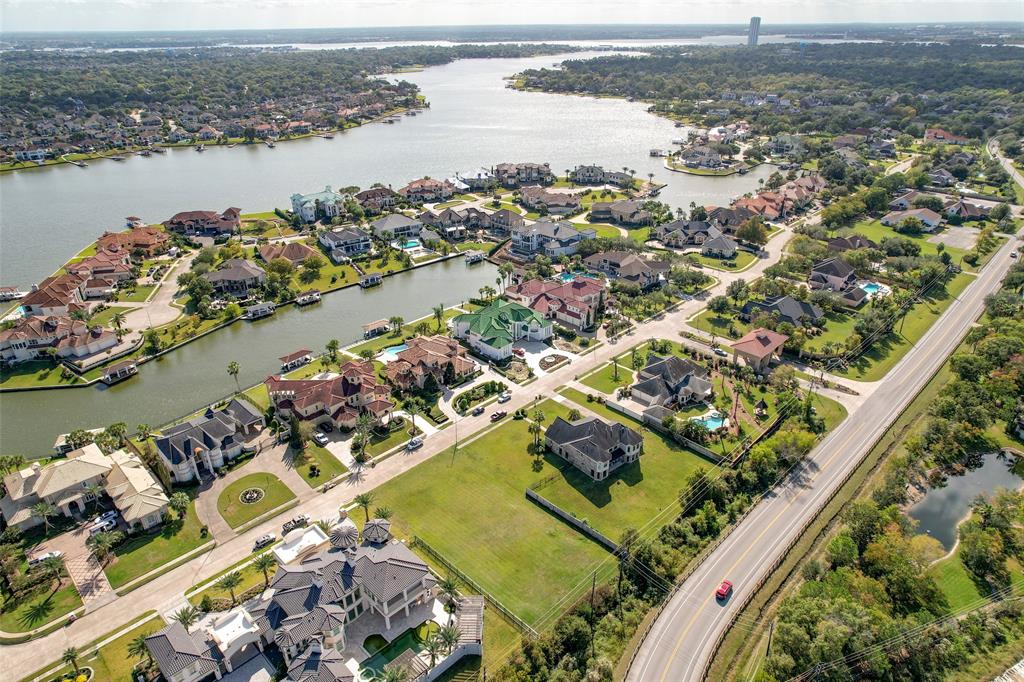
x=520, y=174
x=504, y=221
x=622, y=212
x=492, y=330
x=719, y=247
x=236, y=276
x=555, y=203
x=478, y=179
x=293, y=252
x=728, y=219
x=683, y=233
x=905, y=201
x=595, y=447
x=58, y=295
x=427, y=190
x=965, y=211
x=786, y=309
x=929, y=218
x=758, y=348
x=438, y=357
x=320, y=205
x=150, y=240
x=208, y=442
x=629, y=267
x=574, y=304
x=588, y=175
x=671, y=381
x=833, y=274
x=850, y=243
x=941, y=177
x=701, y=156
x=548, y=239
x=396, y=227
x=940, y=136
x=113, y=265
x=339, y=400
x=32, y=338
x=205, y=223
x=377, y=199
x=345, y=243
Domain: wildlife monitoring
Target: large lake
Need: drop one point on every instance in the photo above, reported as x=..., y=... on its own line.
x=47, y=214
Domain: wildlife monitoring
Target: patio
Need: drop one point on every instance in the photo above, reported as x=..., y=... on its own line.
x=372, y=623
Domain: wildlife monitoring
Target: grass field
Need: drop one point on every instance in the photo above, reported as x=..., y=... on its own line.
x=603, y=380
x=329, y=465
x=236, y=513
x=148, y=552
x=104, y=317
x=960, y=587
x=470, y=505
x=743, y=260
x=876, y=232
x=40, y=608
x=137, y=295
x=35, y=373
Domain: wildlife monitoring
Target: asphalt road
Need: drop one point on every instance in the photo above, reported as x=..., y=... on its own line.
x=686, y=634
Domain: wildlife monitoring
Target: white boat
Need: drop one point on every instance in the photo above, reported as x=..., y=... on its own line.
x=474, y=257
x=255, y=312
x=307, y=297
x=372, y=280
x=11, y=294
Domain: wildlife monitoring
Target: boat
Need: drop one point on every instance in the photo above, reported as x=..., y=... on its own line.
x=119, y=371
x=11, y=294
x=117, y=158
x=159, y=150
x=145, y=152
x=232, y=145
x=308, y=297
x=372, y=280
x=201, y=148
x=473, y=257
x=328, y=136
x=269, y=144
x=258, y=310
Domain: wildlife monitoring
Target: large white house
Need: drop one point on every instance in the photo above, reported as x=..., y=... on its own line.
x=326, y=204
x=493, y=330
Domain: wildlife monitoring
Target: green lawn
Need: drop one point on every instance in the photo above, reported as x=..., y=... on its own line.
x=329, y=465
x=251, y=577
x=959, y=586
x=104, y=317
x=603, y=380
x=876, y=232
x=448, y=204
x=137, y=295
x=475, y=246
x=381, y=342
x=264, y=215
x=331, y=277
x=40, y=608
x=148, y=552
x=602, y=229
x=743, y=260
x=236, y=513
x=35, y=373
x=470, y=506
x=640, y=234
x=379, y=446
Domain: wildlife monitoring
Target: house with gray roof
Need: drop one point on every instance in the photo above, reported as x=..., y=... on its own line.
x=545, y=238
x=671, y=381
x=344, y=243
x=833, y=274
x=183, y=656
x=786, y=309
x=595, y=447
x=204, y=444
x=396, y=226
x=683, y=233
x=719, y=247
x=236, y=276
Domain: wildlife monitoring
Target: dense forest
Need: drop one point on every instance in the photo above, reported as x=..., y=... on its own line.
x=832, y=88
x=221, y=76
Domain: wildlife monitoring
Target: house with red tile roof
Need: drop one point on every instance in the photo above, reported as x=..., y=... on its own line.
x=57, y=295
x=150, y=240
x=427, y=189
x=293, y=252
x=335, y=398
x=574, y=304
x=32, y=336
x=941, y=136
x=207, y=223
x=759, y=347
x=440, y=357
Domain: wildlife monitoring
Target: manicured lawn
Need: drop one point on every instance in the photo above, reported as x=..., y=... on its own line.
x=602, y=229
x=743, y=260
x=379, y=446
x=475, y=246
x=236, y=513
x=470, y=506
x=640, y=234
x=876, y=232
x=375, y=264
x=36, y=373
x=381, y=342
x=509, y=205
x=448, y=204
x=264, y=215
x=251, y=577
x=959, y=586
x=329, y=465
x=258, y=396
x=137, y=295
x=148, y=552
x=603, y=380
x=104, y=317
x=39, y=609
x=331, y=277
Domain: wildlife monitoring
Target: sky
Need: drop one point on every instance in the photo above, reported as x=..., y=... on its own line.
x=72, y=15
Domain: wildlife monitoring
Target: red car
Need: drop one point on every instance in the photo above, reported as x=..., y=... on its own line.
x=724, y=590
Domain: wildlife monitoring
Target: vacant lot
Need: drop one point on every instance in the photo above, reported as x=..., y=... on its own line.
x=237, y=513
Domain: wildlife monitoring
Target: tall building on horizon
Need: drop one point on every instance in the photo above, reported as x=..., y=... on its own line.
x=755, y=28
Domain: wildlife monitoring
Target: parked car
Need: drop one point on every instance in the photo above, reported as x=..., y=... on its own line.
x=519, y=352
x=414, y=444
x=103, y=526
x=263, y=540
x=724, y=590
x=326, y=427
x=40, y=558
x=505, y=397
x=718, y=351
x=297, y=522
x=498, y=415
x=320, y=439
x=478, y=410
x=105, y=516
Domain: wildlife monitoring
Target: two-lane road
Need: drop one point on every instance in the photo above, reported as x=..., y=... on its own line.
x=686, y=635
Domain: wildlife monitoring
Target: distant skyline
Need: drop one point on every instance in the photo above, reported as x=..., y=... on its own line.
x=155, y=15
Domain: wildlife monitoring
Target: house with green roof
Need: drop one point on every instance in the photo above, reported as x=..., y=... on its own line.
x=492, y=331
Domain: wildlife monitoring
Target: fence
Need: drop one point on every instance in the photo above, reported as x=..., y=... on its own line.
x=473, y=585
x=579, y=524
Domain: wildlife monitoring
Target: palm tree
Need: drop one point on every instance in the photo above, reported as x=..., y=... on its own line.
x=449, y=636
x=448, y=588
x=179, y=502
x=52, y=567
x=383, y=513
x=229, y=582
x=138, y=649
x=332, y=348
x=264, y=562
x=364, y=500
x=70, y=657
x=439, y=314
x=118, y=321
x=233, y=369
x=144, y=431
x=397, y=674
x=396, y=323
x=45, y=511
x=101, y=545
x=187, y=616
x=413, y=406
x=538, y=419
x=433, y=646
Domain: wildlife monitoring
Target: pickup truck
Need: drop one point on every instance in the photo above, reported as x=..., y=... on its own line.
x=297, y=522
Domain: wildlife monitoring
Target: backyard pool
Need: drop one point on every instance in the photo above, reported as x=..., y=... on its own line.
x=570, y=276
x=412, y=639
x=713, y=420
x=873, y=289
x=411, y=244
x=390, y=354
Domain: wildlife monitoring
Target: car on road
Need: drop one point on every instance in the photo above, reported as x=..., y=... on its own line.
x=498, y=415
x=297, y=522
x=724, y=590
x=505, y=397
x=414, y=444
x=1013, y=254
x=478, y=410
x=37, y=559
x=263, y=540
x=718, y=351
x=320, y=439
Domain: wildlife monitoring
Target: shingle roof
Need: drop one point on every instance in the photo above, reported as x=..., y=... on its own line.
x=596, y=440
x=174, y=649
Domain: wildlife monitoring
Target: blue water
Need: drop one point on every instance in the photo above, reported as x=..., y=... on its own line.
x=411, y=244
x=392, y=352
x=871, y=288
x=570, y=276
x=711, y=422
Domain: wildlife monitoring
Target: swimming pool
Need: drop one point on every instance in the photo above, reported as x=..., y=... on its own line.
x=873, y=289
x=413, y=638
x=411, y=244
x=570, y=276
x=390, y=354
x=712, y=420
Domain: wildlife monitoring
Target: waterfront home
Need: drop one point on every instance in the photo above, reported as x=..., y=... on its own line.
x=575, y=304
x=964, y=211
x=335, y=399
x=622, y=212
x=770, y=205
x=396, y=227
x=119, y=371
x=149, y=240
x=308, y=296
x=493, y=330
x=205, y=223
x=518, y=174
x=593, y=446
x=298, y=358
x=940, y=136
x=377, y=199
x=504, y=221
x=556, y=203
x=928, y=218
x=588, y=175
x=719, y=247
x=439, y=359
x=112, y=264
x=478, y=179
x=33, y=337
x=785, y=309
x=207, y=442
x=427, y=190
x=701, y=156
x=671, y=381
x=683, y=233
x=629, y=267
x=320, y=205
x=293, y=252
x=68, y=484
x=344, y=243
x=236, y=276
x=758, y=348
x=548, y=239
x=728, y=219
x=833, y=274
x=59, y=295
x=850, y=243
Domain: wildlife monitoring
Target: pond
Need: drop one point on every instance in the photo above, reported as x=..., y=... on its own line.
x=942, y=509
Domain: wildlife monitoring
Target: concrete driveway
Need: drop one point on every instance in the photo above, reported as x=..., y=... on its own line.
x=535, y=351
x=84, y=569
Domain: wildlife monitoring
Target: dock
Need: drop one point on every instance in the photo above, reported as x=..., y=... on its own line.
x=373, y=280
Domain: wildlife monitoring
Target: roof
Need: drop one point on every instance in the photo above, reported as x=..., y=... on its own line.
x=61, y=478
x=236, y=269
x=760, y=343
x=596, y=440
x=788, y=308
x=834, y=267
x=135, y=491
x=174, y=649
x=493, y=324
x=297, y=355
x=393, y=221
x=294, y=252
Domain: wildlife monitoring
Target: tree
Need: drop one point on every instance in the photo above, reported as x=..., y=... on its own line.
x=433, y=646
x=537, y=425
x=396, y=322
x=575, y=415
x=332, y=349
x=448, y=589
x=187, y=616
x=438, y=311
x=449, y=636
x=102, y=545
x=44, y=511
x=53, y=567
x=737, y=290
x=395, y=674
x=117, y=320
x=229, y=582
x=753, y=231
x=842, y=550
x=179, y=503
x=70, y=657
x=364, y=500
x=383, y=513
x=233, y=369
x=413, y=406
x=264, y=563
x=144, y=431
x=718, y=305
x=137, y=648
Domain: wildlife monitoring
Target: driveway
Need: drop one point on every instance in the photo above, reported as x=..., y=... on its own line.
x=962, y=237
x=535, y=351
x=84, y=569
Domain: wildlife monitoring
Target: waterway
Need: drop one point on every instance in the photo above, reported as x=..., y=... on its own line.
x=47, y=214
x=941, y=510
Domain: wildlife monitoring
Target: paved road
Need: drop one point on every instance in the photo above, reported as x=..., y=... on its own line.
x=685, y=636
x=995, y=151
